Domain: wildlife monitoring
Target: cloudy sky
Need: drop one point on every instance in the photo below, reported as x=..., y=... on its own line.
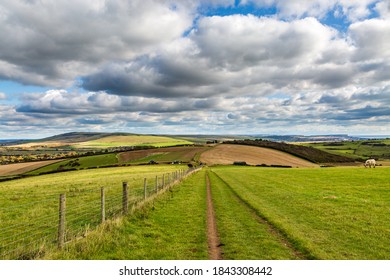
x=186, y=67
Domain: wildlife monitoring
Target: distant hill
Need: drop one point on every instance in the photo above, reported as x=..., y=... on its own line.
x=308, y=153
x=97, y=140
x=310, y=138
x=74, y=137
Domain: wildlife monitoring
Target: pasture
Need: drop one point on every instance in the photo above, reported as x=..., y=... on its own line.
x=171, y=228
x=330, y=213
x=261, y=213
x=29, y=206
x=78, y=163
x=363, y=149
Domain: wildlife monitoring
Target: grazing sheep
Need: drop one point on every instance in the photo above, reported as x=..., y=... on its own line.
x=370, y=162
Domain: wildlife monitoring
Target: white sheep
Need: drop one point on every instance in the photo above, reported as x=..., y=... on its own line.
x=370, y=162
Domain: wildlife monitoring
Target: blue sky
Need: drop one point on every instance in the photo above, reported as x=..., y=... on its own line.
x=186, y=67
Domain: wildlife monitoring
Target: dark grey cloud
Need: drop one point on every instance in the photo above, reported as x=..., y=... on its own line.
x=365, y=113
x=159, y=76
x=61, y=103
x=334, y=77
x=60, y=42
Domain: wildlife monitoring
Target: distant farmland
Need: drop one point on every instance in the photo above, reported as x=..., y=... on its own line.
x=183, y=154
x=379, y=149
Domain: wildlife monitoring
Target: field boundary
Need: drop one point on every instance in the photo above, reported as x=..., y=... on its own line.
x=30, y=240
x=283, y=237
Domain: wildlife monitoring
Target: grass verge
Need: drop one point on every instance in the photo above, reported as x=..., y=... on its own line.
x=170, y=228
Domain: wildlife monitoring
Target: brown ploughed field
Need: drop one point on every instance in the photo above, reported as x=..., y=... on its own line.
x=20, y=168
x=228, y=154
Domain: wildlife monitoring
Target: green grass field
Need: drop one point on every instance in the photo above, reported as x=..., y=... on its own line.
x=172, y=228
x=330, y=213
x=29, y=207
x=363, y=149
x=78, y=163
x=261, y=213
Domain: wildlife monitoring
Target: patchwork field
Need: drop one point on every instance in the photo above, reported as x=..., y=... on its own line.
x=256, y=213
x=363, y=149
x=227, y=154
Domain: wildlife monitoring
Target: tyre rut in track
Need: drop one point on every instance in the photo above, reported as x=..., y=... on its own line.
x=214, y=249
x=274, y=231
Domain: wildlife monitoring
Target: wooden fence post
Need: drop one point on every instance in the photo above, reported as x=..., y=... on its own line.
x=163, y=181
x=61, y=222
x=125, y=199
x=103, y=205
x=156, y=184
x=145, y=185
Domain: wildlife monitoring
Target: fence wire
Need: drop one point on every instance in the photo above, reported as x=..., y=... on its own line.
x=30, y=229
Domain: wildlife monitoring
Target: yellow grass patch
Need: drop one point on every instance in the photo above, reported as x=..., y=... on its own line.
x=132, y=140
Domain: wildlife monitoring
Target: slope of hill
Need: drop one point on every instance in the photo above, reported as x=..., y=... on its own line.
x=308, y=153
x=132, y=140
x=74, y=137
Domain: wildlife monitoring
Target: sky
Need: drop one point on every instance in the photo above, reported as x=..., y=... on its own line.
x=194, y=67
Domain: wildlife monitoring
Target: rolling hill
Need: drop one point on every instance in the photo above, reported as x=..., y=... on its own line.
x=80, y=140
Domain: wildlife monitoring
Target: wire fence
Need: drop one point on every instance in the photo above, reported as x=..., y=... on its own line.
x=54, y=220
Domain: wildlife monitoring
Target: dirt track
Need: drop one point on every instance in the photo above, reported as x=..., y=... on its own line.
x=227, y=154
x=212, y=232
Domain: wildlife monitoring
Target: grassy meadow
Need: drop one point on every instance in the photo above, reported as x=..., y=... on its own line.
x=363, y=149
x=173, y=227
x=29, y=206
x=78, y=163
x=329, y=213
x=261, y=213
